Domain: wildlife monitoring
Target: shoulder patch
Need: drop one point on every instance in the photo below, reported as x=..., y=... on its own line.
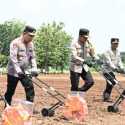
x=15, y=45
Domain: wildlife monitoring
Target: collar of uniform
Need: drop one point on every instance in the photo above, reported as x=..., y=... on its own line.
x=114, y=51
x=84, y=44
x=21, y=38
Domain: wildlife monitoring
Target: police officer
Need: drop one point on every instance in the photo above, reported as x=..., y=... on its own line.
x=22, y=57
x=80, y=50
x=111, y=62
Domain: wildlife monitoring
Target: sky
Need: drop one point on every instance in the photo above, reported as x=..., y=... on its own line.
x=104, y=18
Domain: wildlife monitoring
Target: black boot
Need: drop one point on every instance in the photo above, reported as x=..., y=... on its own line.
x=106, y=96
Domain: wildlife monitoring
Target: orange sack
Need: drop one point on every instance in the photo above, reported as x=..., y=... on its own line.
x=15, y=116
x=75, y=108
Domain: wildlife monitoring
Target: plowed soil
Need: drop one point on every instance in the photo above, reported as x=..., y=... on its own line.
x=98, y=114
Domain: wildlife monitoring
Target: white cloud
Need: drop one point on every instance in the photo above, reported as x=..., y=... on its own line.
x=104, y=18
x=33, y=6
x=74, y=4
x=44, y=6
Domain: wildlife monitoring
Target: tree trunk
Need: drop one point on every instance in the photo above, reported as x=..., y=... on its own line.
x=46, y=60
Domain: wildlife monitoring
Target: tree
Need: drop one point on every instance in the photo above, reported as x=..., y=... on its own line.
x=9, y=30
x=123, y=57
x=52, y=46
x=3, y=60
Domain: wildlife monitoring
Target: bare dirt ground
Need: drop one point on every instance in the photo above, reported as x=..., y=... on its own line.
x=98, y=114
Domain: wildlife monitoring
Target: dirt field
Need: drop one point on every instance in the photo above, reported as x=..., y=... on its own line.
x=98, y=114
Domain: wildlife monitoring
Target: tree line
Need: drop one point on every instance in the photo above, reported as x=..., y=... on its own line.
x=51, y=44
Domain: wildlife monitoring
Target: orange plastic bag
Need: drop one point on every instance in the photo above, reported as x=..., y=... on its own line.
x=75, y=108
x=11, y=116
x=16, y=115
